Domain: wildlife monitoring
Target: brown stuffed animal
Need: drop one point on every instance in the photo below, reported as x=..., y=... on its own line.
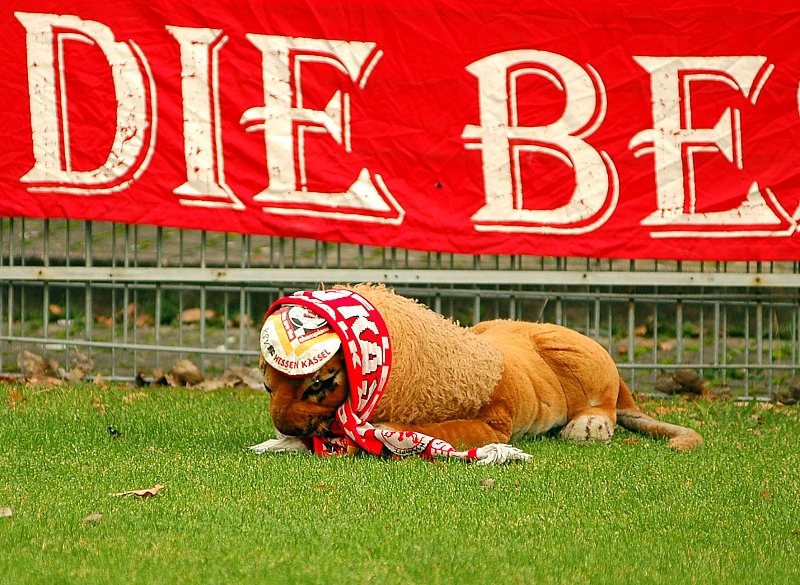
x=492, y=383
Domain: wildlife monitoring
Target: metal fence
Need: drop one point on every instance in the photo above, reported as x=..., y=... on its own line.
x=138, y=298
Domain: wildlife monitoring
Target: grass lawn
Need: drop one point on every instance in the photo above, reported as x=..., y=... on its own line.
x=627, y=512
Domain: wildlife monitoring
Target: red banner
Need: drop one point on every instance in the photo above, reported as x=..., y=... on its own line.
x=663, y=129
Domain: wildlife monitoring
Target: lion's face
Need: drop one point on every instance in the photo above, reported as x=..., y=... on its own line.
x=304, y=407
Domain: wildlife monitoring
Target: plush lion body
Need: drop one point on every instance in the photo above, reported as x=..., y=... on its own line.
x=494, y=382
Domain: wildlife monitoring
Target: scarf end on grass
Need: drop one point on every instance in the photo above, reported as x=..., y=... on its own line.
x=420, y=445
x=432, y=448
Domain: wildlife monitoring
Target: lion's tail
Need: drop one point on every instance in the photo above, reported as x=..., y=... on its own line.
x=633, y=419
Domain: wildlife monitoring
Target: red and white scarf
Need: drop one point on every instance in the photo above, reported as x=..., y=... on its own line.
x=367, y=349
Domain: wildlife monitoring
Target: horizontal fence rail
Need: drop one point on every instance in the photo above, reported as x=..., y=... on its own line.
x=134, y=299
x=401, y=276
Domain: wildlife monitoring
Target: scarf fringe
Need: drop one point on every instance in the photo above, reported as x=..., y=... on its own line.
x=499, y=453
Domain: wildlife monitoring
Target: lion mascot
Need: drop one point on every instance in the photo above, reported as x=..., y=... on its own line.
x=362, y=368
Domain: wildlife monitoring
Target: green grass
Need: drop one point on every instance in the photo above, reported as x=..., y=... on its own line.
x=627, y=512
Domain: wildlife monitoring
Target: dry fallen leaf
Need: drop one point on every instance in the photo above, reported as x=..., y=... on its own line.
x=161, y=378
x=6, y=513
x=488, y=483
x=98, y=404
x=239, y=319
x=194, y=315
x=186, y=373
x=133, y=396
x=145, y=320
x=81, y=369
x=36, y=366
x=667, y=385
x=15, y=399
x=766, y=495
x=210, y=384
x=94, y=518
x=129, y=310
x=49, y=381
x=243, y=376
x=147, y=493
x=689, y=380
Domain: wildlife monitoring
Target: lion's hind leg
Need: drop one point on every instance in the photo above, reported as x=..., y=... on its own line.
x=590, y=424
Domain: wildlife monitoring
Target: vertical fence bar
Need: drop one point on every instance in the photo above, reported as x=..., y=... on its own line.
x=135, y=302
x=656, y=348
x=203, y=299
x=770, y=350
x=88, y=261
x=46, y=284
x=225, y=311
x=679, y=331
x=244, y=263
x=181, y=306
x=715, y=351
x=747, y=352
x=559, y=311
x=724, y=336
x=701, y=341
x=795, y=336
x=10, y=304
x=114, y=291
x=631, y=341
x=759, y=332
x=22, y=286
x=69, y=317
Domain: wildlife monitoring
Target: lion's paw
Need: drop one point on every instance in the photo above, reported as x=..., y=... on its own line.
x=281, y=444
x=589, y=427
